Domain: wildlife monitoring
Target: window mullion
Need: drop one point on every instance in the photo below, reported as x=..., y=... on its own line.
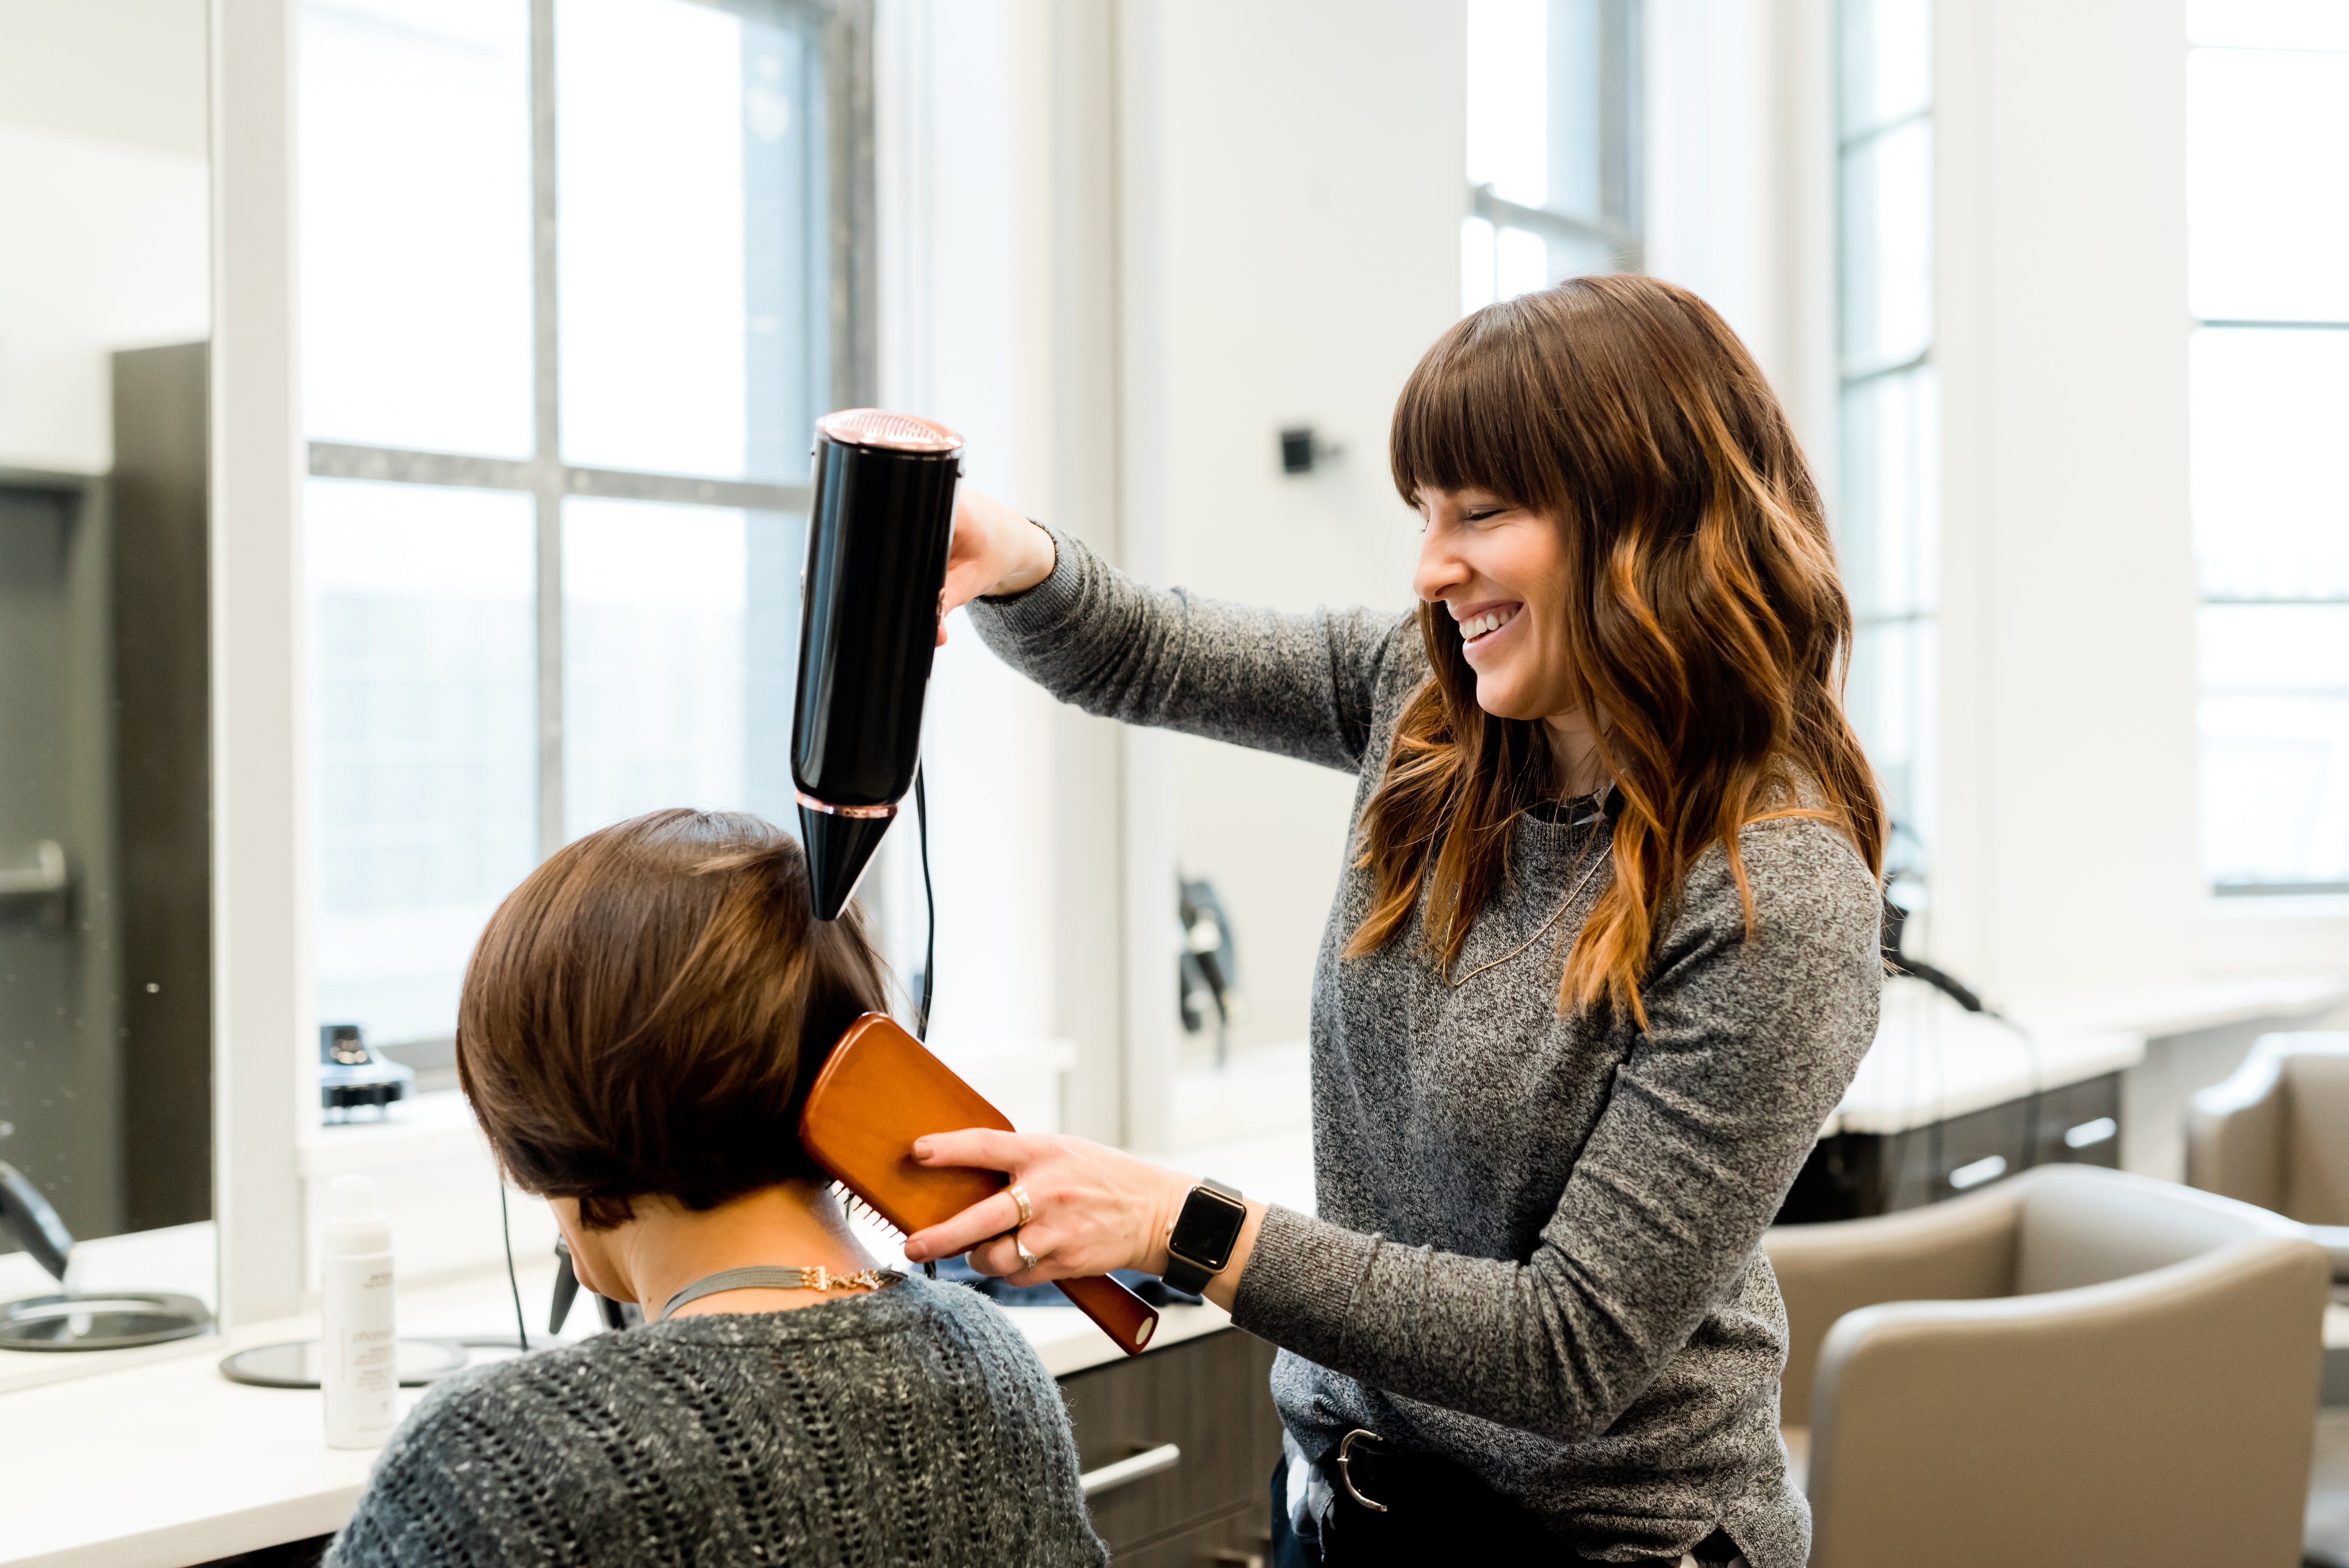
x=547, y=461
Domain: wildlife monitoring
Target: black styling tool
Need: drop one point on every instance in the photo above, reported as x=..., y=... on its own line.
x=878, y=530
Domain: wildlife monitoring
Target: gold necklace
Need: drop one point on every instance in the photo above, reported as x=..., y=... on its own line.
x=1537, y=936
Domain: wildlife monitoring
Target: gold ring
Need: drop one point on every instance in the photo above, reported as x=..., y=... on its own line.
x=1020, y=1196
x=1027, y=1260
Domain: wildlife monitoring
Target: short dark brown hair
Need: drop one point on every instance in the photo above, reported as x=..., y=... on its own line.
x=645, y=1013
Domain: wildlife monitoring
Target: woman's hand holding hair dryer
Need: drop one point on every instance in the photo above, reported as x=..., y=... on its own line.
x=1095, y=1209
x=996, y=551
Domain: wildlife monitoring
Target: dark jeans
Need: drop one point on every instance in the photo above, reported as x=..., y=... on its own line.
x=1502, y=1533
x=1487, y=1527
x=1288, y=1552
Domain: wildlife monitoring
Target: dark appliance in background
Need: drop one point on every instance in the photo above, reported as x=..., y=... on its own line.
x=1902, y=898
x=1207, y=987
x=879, y=527
x=353, y=1074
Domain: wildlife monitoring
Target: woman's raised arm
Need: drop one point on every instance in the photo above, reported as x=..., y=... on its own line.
x=1302, y=685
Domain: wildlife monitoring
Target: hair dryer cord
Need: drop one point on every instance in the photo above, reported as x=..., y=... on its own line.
x=930, y=902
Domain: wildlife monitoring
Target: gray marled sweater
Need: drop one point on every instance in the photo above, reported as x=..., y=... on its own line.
x=1538, y=1247
x=910, y=1425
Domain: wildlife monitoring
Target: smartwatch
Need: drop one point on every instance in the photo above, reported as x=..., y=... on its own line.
x=1204, y=1235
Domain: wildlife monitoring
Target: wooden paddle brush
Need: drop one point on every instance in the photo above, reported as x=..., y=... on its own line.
x=879, y=1091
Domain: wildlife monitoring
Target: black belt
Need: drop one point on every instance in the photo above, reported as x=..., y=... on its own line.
x=1393, y=1504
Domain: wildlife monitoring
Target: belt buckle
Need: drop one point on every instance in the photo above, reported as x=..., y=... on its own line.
x=1345, y=1463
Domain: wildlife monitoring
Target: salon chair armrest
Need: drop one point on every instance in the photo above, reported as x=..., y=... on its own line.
x=2235, y=1132
x=1956, y=1251
x=2164, y=1418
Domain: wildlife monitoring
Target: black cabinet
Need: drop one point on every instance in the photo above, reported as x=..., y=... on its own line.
x=1210, y=1398
x=1852, y=1174
x=2080, y=1124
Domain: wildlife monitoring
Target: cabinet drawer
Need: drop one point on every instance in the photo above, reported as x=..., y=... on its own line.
x=1210, y=1398
x=1975, y=1149
x=1240, y=1539
x=2080, y=1124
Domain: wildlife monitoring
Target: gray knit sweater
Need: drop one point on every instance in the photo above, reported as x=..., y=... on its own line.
x=1538, y=1246
x=910, y=1425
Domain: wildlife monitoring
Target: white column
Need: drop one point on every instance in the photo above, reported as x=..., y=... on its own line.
x=2068, y=853
x=265, y=1051
x=995, y=140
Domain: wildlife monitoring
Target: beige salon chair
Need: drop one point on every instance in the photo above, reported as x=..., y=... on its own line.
x=2277, y=1134
x=2073, y=1367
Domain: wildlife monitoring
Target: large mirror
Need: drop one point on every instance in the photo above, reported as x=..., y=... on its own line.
x=104, y=875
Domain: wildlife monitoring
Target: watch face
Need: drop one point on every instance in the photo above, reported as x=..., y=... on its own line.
x=1207, y=1227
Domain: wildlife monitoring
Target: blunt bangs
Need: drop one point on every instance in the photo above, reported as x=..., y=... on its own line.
x=1483, y=412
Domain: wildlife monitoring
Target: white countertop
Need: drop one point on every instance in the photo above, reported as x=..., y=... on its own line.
x=1934, y=1060
x=164, y=1461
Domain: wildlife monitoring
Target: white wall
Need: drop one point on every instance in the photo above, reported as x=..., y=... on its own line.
x=1124, y=244
x=130, y=71
x=2068, y=857
x=1294, y=187
x=103, y=212
x=1740, y=201
x=994, y=151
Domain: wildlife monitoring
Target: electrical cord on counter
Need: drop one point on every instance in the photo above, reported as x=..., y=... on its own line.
x=930, y=941
x=506, y=1223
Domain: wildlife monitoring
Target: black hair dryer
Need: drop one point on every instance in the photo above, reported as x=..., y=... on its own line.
x=878, y=533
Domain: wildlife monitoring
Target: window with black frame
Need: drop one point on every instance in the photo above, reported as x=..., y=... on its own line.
x=1553, y=145
x=578, y=275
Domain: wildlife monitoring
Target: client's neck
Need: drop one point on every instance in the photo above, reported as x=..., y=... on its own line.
x=667, y=1246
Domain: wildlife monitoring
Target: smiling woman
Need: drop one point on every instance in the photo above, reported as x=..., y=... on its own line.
x=1605, y=956
x=1606, y=475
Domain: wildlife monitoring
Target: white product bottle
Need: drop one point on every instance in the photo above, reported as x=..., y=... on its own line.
x=359, y=1365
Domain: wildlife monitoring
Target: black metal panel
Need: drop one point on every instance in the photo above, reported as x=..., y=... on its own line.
x=164, y=790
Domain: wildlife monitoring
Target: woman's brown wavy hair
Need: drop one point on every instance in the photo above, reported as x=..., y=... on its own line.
x=1708, y=629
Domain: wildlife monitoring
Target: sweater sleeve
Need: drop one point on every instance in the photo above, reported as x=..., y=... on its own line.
x=1750, y=1045
x=1300, y=685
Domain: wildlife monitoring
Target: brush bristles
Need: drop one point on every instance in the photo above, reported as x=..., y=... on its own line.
x=858, y=1208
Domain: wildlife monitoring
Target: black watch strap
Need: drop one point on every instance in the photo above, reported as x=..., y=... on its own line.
x=1205, y=1234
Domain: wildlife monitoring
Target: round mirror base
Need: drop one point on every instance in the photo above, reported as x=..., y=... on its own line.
x=114, y=1320
x=294, y=1364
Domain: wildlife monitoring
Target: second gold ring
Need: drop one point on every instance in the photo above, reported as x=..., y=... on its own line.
x=1020, y=1196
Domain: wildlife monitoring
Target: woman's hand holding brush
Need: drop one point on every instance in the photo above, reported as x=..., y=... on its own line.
x=1091, y=1208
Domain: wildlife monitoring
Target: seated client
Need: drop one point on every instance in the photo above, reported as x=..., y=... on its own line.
x=639, y=1027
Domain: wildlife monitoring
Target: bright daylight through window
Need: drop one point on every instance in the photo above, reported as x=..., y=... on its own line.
x=567, y=325
x=2268, y=257
x=1554, y=170
x=1885, y=515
